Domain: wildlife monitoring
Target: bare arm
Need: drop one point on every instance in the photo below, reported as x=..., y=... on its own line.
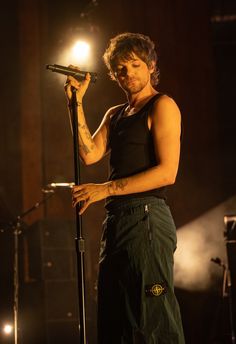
x=91, y=147
x=165, y=127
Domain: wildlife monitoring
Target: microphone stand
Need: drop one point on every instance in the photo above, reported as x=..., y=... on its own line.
x=230, y=239
x=227, y=293
x=228, y=284
x=16, y=227
x=79, y=240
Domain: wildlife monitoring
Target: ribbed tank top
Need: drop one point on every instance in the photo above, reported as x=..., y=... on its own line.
x=132, y=148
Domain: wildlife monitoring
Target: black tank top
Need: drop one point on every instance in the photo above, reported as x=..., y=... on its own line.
x=132, y=149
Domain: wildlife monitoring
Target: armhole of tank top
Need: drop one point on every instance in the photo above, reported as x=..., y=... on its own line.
x=150, y=108
x=181, y=124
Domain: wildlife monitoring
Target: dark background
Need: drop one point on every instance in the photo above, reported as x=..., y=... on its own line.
x=196, y=48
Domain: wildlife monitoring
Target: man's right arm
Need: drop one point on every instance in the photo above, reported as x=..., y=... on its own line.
x=91, y=147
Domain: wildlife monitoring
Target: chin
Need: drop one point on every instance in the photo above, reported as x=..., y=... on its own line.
x=133, y=89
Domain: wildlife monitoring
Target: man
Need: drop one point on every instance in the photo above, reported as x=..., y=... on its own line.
x=136, y=301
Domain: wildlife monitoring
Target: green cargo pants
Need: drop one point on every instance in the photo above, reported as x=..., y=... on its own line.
x=136, y=300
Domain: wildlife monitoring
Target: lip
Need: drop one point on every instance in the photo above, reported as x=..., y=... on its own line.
x=131, y=81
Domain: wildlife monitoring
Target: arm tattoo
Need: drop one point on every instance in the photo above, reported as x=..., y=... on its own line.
x=117, y=185
x=83, y=146
x=121, y=183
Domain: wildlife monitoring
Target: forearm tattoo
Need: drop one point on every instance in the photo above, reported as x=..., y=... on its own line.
x=117, y=185
x=83, y=146
x=83, y=130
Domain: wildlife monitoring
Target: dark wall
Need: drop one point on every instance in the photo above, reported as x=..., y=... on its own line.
x=196, y=70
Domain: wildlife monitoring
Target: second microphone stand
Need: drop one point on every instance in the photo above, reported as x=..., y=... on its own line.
x=16, y=227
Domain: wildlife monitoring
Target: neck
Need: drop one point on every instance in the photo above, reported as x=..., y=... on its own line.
x=136, y=100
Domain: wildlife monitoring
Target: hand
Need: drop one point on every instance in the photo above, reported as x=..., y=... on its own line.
x=80, y=86
x=88, y=194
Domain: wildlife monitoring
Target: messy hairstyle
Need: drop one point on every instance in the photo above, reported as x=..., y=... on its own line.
x=123, y=45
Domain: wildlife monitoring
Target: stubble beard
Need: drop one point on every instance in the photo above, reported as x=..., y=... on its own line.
x=136, y=87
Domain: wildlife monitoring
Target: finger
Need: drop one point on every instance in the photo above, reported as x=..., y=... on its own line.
x=79, y=193
x=74, y=67
x=78, y=199
x=67, y=86
x=88, y=76
x=75, y=202
x=75, y=188
x=69, y=79
x=73, y=82
x=87, y=79
x=85, y=83
x=84, y=207
x=82, y=198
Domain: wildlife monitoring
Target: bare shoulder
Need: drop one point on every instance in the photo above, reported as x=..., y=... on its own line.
x=166, y=103
x=165, y=111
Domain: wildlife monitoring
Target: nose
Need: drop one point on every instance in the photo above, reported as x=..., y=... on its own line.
x=129, y=72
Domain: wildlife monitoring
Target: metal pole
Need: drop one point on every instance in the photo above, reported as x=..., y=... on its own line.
x=16, y=279
x=16, y=227
x=79, y=240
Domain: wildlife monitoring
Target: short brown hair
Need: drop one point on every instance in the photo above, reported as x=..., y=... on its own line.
x=123, y=45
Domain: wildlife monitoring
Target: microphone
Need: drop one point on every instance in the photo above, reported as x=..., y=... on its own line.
x=50, y=187
x=61, y=185
x=77, y=74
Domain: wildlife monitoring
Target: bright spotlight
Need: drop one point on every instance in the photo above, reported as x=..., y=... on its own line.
x=81, y=51
x=7, y=329
x=78, y=54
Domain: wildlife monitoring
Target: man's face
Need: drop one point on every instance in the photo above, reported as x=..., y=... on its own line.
x=132, y=75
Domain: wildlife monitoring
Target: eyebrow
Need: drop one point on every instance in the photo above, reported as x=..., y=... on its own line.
x=130, y=60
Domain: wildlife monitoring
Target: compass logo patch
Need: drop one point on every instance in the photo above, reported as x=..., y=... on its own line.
x=156, y=289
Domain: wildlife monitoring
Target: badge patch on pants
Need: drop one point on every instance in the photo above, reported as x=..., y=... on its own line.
x=156, y=289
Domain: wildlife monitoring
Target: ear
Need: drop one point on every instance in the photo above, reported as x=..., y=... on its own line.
x=152, y=66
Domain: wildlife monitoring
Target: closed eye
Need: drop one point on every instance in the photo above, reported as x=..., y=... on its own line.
x=121, y=71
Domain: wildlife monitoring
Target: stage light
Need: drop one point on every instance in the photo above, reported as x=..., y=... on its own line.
x=77, y=53
x=7, y=329
x=81, y=51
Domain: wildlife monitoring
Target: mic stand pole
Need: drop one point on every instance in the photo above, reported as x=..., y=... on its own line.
x=230, y=239
x=227, y=283
x=17, y=232
x=79, y=240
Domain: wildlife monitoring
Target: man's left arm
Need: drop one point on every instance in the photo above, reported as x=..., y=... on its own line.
x=166, y=129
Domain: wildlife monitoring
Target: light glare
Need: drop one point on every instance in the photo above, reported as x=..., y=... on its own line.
x=81, y=51
x=7, y=329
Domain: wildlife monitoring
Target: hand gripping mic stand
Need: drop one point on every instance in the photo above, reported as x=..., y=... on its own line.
x=79, y=240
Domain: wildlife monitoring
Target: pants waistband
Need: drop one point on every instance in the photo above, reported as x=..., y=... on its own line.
x=122, y=205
